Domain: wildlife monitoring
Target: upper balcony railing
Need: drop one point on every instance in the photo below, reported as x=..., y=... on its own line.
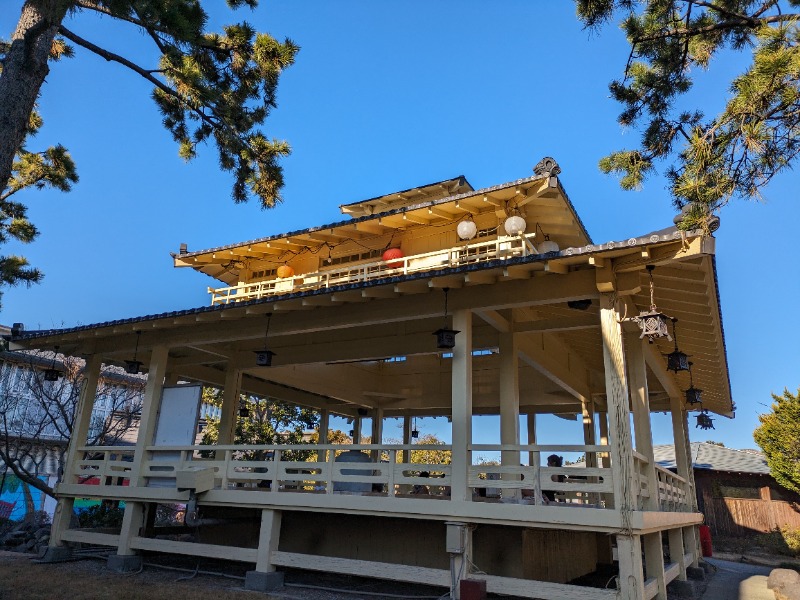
x=497, y=248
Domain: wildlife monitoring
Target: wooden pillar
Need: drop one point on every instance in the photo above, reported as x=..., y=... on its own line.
x=268, y=539
x=462, y=406
x=640, y=402
x=618, y=408
x=533, y=457
x=324, y=424
x=80, y=434
x=230, y=405
x=407, y=437
x=654, y=562
x=676, y=551
x=691, y=543
x=683, y=462
x=459, y=546
x=132, y=519
x=631, y=575
x=357, y=429
x=377, y=432
x=509, y=407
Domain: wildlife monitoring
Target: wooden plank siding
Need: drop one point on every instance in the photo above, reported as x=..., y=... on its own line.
x=739, y=517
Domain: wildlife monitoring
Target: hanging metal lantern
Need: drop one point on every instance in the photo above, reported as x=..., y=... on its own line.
x=704, y=421
x=693, y=394
x=445, y=337
x=414, y=434
x=677, y=360
x=264, y=357
x=244, y=412
x=134, y=366
x=653, y=323
x=467, y=229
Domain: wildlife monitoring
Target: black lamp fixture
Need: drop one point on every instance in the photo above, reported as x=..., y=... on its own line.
x=134, y=366
x=445, y=337
x=244, y=410
x=264, y=357
x=653, y=323
x=677, y=360
x=53, y=374
x=693, y=394
x=415, y=431
x=704, y=421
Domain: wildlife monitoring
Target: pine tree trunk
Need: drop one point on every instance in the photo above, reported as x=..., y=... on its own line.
x=24, y=69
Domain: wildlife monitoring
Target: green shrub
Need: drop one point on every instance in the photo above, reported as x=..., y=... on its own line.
x=792, y=539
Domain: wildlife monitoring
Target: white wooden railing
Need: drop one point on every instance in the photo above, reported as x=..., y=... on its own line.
x=671, y=491
x=499, y=247
x=386, y=471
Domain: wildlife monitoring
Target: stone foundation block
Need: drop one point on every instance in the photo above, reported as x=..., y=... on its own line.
x=53, y=554
x=258, y=581
x=124, y=564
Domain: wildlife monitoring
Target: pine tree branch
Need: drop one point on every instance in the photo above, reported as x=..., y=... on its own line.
x=722, y=25
x=765, y=7
x=723, y=11
x=110, y=56
x=149, y=27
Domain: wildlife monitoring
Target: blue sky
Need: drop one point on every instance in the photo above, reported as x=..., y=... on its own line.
x=384, y=96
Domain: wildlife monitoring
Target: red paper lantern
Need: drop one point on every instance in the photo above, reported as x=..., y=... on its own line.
x=392, y=254
x=285, y=271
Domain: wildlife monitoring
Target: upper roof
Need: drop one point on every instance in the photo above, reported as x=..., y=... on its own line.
x=715, y=458
x=430, y=191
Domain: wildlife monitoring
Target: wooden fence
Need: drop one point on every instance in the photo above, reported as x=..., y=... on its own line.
x=739, y=517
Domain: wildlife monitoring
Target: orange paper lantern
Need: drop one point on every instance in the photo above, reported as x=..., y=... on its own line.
x=285, y=271
x=390, y=257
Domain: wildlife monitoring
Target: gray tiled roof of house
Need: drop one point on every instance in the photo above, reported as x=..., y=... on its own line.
x=715, y=458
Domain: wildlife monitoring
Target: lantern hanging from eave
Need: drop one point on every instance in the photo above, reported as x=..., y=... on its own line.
x=704, y=421
x=467, y=229
x=693, y=394
x=134, y=366
x=391, y=256
x=653, y=323
x=285, y=271
x=445, y=337
x=515, y=225
x=264, y=357
x=677, y=360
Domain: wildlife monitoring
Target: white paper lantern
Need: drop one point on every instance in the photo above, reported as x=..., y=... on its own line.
x=548, y=246
x=467, y=230
x=515, y=225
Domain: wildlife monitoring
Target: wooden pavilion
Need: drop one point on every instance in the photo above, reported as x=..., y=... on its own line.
x=545, y=321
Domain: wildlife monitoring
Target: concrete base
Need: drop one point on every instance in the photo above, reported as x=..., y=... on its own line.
x=54, y=554
x=124, y=564
x=263, y=582
x=682, y=589
x=696, y=573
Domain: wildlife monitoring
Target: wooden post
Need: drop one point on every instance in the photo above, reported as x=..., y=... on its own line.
x=618, y=408
x=230, y=405
x=407, y=438
x=654, y=562
x=357, y=429
x=533, y=457
x=377, y=432
x=676, y=551
x=640, y=401
x=459, y=546
x=631, y=576
x=590, y=439
x=268, y=539
x=509, y=407
x=324, y=424
x=683, y=462
x=462, y=406
x=80, y=434
x=132, y=520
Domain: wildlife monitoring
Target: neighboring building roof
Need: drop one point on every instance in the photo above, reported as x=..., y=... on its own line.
x=711, y=457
